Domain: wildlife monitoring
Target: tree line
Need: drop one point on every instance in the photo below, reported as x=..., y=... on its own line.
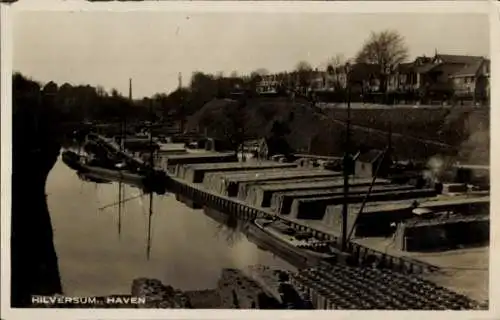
x=77, y=103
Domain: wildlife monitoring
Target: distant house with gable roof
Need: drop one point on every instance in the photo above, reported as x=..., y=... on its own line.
x=443, y=76
x=472, y=82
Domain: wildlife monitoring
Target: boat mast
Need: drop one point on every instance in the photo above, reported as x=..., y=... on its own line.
x=150, y=173
x=346, y=168
x=123, y=134
x=387, y=153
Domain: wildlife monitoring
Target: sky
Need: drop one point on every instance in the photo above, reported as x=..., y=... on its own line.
x=152, y=48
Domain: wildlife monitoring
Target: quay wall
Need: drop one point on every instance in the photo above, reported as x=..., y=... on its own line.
x=244, y=211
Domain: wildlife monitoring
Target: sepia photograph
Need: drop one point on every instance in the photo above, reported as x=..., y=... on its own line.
x=249, y=160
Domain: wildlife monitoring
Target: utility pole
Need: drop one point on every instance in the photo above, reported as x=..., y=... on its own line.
x=347, y=162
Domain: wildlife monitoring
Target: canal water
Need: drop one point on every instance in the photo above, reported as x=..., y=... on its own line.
x=188, y=249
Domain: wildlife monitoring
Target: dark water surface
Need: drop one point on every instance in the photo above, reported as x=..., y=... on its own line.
x=189, y=249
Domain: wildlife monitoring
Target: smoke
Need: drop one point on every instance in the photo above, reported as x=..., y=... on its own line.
x=437, y=167
x=475, y=149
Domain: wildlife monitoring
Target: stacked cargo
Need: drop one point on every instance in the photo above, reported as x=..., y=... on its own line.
x=196, y=172
x=272, y=194
x=344, y=287
x=172, y=162
x=281, y=202
x=229, y=184
x=314, y=208
x=374, y=220
x=245, y=188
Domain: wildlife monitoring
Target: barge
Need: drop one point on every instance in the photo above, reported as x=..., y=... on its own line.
x=150, y=181
x=300, y=247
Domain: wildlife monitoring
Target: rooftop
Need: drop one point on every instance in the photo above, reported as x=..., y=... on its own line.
x=459, y=59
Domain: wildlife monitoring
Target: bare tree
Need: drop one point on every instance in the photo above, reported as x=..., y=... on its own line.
x=257, y=75
x=261, y=72
x=335, y=62
x=333, y=66
x=303, y=70
x=101, y=92
x=386, y=49
x=303, y=66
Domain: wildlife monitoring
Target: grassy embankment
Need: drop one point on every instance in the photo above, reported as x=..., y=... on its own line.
x=418, y=133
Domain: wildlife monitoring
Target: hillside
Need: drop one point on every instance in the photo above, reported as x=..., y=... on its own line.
x=418, y=133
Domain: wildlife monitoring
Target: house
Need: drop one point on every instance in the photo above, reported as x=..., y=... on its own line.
x=322, y=81
x=366, y=163
x=270, y=84
x=472, y=81
x=363, y=77
x=406, y=76
x=440, y=76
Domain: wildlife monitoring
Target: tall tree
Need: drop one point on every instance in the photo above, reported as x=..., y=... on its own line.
x=180, y=103
x=335, y=62
x=386, y=49
x=303, y=70
x=260, y=72
x=333, y=66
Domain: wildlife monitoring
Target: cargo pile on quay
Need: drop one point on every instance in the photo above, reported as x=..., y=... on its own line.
x=195, y=173
x=231, y=184
x=282, y=200
x=343, y=287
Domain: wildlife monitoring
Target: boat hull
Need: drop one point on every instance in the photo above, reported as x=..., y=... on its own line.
x=72, y=160
x=117, y=175
x=297, y=256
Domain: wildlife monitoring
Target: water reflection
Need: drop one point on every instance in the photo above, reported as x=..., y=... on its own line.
x=229, y=228
x=189, y=248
